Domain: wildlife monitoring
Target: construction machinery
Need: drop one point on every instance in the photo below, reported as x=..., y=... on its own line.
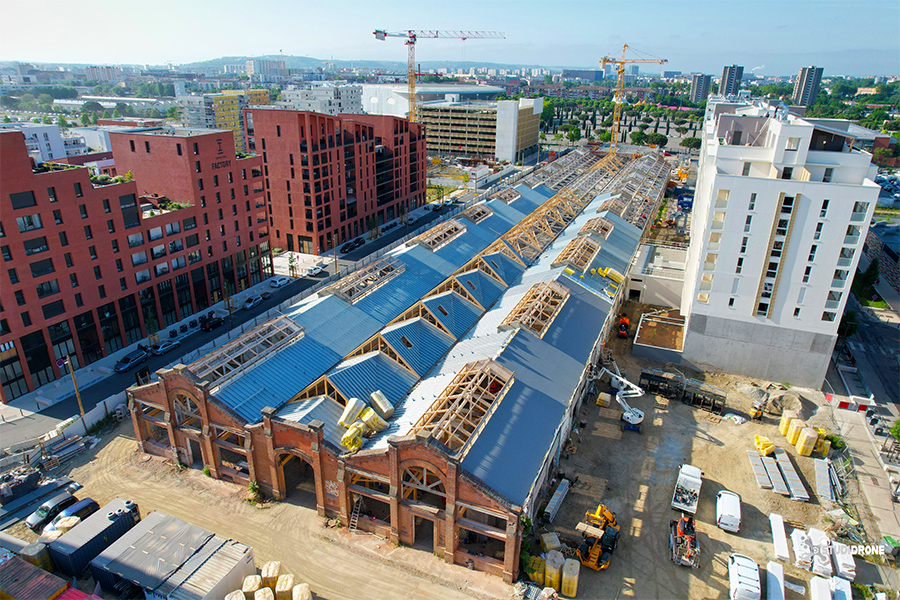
x=412, y=36
x=619, y=97
x=624, y=322
x=624, y=389
x=683, y=542
x=600, y=537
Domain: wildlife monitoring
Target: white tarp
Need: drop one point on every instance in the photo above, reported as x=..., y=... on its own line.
x=779, y=538
x=821, y=546
x=844, y=563
x=802, y=549
x=775, y=580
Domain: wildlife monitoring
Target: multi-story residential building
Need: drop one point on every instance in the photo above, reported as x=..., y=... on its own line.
x=327, y=178
x=262, y=67
x=87, y=267
x=325, y=99
x=585, y=75
x=780, y=216
x=806, y=86
x=215, y=111
x=700, y=88
x=44, y=142
x=508, y=130
x=393, y=99
x=255, y=97
x=731, y=80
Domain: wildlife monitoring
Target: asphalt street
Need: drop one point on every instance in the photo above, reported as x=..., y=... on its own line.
x=876, y=348
x=33, y=426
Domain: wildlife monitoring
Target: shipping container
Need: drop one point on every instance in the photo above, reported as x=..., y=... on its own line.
x=74, y=551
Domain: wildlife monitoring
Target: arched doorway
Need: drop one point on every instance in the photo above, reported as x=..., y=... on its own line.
x=423, y=490
x=299, y=479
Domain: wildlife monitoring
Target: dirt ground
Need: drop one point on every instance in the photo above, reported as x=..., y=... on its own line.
x=335, y=563
x=634, y=475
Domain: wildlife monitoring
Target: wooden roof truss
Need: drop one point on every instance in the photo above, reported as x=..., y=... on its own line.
x=478, y=213
x=438, y=237
x=320, y=387
x=459, y=412
x=363, y=282
x=578, y=253
x=508, y=195
x=537, y=308
x=453, y=284
x=480, y=264
x=379, y=344
x=599, y=226
x=537, y=231
x=228, y=360
x=420, y=311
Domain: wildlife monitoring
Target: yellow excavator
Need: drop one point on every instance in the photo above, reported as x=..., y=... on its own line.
x=600, y=536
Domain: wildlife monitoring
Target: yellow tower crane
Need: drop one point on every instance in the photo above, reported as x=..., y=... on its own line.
x=619, y=98
x=413, y=35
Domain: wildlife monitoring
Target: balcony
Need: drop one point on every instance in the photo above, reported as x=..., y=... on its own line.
x=718, y=225
x=832, y=303
x=844, y=262
x=709, y=266
x=712, y=246
x=851, y=240
x=838, y=283
x=857, y=217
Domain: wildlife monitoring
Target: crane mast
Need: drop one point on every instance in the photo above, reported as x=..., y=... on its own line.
x=619, y=97
x=412, y=36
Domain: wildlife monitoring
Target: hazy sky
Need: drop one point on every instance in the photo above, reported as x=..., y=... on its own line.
x=771, y=37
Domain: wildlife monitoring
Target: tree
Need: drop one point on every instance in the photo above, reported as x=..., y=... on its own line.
x=62, y=123
x=574, y=135
x=6, y=119
x=172, y=112
x=45, y=99
x=92, y=106
x=881, y=156
x=638, y=138
x=681, y=130
x=657, y=139
x=85, y=119
x=690, y=142
x=48, y=120
x=868, y=277
x=849, y=324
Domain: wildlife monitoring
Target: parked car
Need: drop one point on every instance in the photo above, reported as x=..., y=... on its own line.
x=728, y=511
x=281, y=280
x=48, y=511
x=266, y=295
x=130, y=360
x=352, y=245
x=81, y=509
x=448, y=201
x=743, y=578
x=313, y=270
x=212, y=323
x=252, y=302
x=163, y=347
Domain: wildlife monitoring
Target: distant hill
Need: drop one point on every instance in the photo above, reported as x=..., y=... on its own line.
x=308, y=62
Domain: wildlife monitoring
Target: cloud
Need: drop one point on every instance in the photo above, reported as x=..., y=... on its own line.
x=759, y=68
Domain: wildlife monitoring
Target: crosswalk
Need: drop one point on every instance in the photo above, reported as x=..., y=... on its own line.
x=868, y=348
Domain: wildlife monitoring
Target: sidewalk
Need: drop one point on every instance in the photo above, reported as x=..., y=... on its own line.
x=62, y=389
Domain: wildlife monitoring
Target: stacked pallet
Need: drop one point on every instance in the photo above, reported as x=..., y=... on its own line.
x=61, y=449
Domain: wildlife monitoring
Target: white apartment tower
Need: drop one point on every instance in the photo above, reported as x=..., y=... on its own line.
x=780, y=215
x=326, y=99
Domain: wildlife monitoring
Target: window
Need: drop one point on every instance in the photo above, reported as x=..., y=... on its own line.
x=806, y=274
x=68, y=257
x=828, y=173
x=78, y=193
x=147, y=147
x=51, y=193
x=26, y=320
x=215, y=181
x=122, y=283
x=747, y=224
x=119, y=267
x=828, y=316
x=752, y=205
x=731, y=303
x=812, y=253
x=36, y=245
x=824, y=210
x=57, y=216
x=197, y=167
x=744, y=245
x=787, y=172
x=20, y=297
x=102, y=291
x=13, y=276
x=797, y=312
x=746, y=170
x=277, y=131
x=200, y=184
x=93, y=252
x=115, y=247
x=762, y=309
x=230, y=177
x=83, y=210
x=777, y=248
x=110, y=226
x=106, y=205
x=703, y=297
x=818, y=232
x=48, y=288
x=196, y=148
x=87, y=233
x=30, y=222
x=6, y=254
x=793, y=144
x=131, y=142
x=97, y=274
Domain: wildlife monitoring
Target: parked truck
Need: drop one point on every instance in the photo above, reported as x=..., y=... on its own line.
x=687, y=489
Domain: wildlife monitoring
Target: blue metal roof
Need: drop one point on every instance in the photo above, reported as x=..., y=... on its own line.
x=359, y=376
x=484, y=288
x=461, y=249
x=506, y=268
x=530, y=198
x=401, y=292
x=460, y=312
x=336, y=324
x=503, y=218
x=274, y=381
x=547, y=370
x=427, y=343
x=320, y=408
x=429, y=259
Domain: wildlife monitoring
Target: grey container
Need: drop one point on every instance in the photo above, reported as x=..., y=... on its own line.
x=75, y=549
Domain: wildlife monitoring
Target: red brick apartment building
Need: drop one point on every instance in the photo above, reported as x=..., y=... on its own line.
x=327, y=178
x=86, y=266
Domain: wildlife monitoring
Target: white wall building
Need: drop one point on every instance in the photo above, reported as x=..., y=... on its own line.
x=44, y=142
x=327, y=99
x=96, y=138
x=780, y=215
x=393, y=99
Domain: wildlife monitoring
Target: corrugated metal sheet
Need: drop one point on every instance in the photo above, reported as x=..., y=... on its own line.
x=274, y=381
x=503, y=219
x=530, y=198
x=484, y=288
x=426, y=342
x=429, y=259
x=336, y=324
x=460, y=312
x=359, y=376
x=391, y=299
x=207, y=571
x=320, y=408
x=462, y=249
x=506, y=268
x=21, y=580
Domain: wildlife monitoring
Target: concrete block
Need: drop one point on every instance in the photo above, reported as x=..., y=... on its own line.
x=697, y=324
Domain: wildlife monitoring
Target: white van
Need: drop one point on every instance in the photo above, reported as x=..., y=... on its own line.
x=743, y=578
x=728, y=511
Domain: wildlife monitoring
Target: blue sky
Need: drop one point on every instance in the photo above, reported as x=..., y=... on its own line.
x=774, y=37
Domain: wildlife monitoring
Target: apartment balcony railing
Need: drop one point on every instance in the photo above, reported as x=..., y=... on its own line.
x=845, y=262
x=857, y=217
x=709, y=266
x=851, y=239
x=832, y=303
x=838, y=283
